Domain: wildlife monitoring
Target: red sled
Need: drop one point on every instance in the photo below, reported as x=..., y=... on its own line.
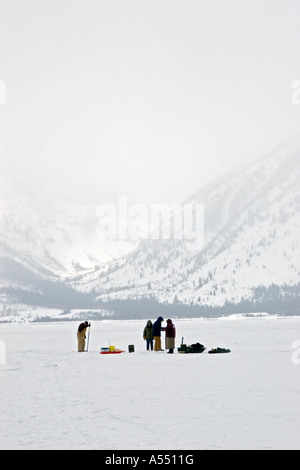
x=115, y=351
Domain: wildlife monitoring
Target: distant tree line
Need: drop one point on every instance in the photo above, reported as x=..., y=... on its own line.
x=30, y=289
x=286, y=302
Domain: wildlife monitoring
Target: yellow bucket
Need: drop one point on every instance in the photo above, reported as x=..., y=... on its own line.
x=111, y=348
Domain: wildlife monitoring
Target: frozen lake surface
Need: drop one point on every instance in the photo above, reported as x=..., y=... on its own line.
x=55, y=398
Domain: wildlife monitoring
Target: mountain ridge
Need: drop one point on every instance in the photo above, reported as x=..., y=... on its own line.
x=273, y=183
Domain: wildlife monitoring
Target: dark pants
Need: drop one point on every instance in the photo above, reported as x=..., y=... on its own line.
x=149, y=344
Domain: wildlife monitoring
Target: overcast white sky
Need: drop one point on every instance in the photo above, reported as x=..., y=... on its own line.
x=144, y=98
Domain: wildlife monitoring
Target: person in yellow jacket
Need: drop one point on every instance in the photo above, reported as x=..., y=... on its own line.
x=81, y=335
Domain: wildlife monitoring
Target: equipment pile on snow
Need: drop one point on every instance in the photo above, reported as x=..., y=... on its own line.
x=218, y=350
x=193, y=348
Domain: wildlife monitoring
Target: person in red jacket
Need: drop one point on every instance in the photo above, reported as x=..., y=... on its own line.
x=170, y=336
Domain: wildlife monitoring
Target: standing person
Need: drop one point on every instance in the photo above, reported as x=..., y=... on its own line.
x=157, y=329
x=148, y=335
x=81, y=335
x=170, y=336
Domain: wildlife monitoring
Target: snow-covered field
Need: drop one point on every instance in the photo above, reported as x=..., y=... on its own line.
x=55, y=398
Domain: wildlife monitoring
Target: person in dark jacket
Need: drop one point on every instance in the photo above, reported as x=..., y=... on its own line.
x=148, y=335
x=81, y=335
x=170, y=336
x=157, y=329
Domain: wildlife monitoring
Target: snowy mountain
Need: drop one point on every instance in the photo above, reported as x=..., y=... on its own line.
x=252, y=222
x=251, y=251
x=52, y=235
